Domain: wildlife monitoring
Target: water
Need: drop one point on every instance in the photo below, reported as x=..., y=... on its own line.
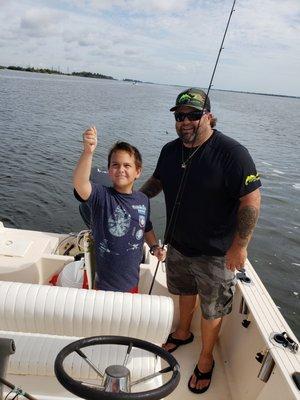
x=42, y=118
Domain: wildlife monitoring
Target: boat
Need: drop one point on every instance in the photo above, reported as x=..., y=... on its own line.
x=256, y=357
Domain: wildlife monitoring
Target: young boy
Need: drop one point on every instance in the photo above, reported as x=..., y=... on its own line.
x=120, y=216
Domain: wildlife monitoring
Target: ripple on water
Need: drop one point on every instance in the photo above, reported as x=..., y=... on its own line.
x=266, y=163
x=48, y=127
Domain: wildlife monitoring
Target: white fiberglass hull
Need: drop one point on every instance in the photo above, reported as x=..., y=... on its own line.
x=33, y=257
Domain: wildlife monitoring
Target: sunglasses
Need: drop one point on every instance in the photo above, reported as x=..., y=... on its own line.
x=191, y=116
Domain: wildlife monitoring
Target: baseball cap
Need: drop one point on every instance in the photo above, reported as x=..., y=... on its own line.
x=192, y=97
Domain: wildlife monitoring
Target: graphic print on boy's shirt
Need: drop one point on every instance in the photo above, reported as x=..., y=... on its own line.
x=119, y=223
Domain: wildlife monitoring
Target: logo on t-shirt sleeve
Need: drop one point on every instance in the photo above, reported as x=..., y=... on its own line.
x=142, y=221
x=139, y=234
x=251, y=178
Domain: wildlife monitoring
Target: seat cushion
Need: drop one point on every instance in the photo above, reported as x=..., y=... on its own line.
x=35, y=355
x=76, y=312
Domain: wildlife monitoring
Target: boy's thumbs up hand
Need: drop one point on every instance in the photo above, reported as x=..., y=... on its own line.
x=90, y=139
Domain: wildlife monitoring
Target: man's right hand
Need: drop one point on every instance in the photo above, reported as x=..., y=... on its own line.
x=90, y=140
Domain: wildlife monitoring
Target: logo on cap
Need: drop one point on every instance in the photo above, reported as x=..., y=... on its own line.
x=192, y=97
x=185, y=97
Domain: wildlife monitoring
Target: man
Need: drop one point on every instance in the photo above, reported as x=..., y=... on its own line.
x=212, y=197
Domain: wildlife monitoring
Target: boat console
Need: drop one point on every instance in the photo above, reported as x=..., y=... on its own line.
x=29, y=256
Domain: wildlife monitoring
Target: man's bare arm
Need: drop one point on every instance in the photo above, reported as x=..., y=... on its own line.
x=247, y=217
x=246, y=220
x=151, y=187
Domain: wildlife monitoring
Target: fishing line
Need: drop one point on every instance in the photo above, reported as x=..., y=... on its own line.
x=179, y=195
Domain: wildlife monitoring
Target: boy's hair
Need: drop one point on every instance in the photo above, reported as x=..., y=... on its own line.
x=124, y=146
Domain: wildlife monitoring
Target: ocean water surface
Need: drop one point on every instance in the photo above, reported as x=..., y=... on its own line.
x=42, y=118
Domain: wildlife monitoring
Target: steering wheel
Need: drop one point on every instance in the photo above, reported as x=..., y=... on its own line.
x=93, y=392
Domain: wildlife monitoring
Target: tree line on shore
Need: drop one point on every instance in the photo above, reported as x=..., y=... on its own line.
x=84, y=74
x=54, y=71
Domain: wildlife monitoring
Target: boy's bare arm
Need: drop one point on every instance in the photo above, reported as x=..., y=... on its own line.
x=151, y=240
x=151, y=187
x=81, y=175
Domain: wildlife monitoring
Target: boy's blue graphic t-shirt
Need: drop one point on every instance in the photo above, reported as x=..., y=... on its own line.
x=119, y=222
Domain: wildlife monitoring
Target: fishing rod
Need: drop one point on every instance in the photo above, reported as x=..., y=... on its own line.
x=219, y=53
x=175, y=210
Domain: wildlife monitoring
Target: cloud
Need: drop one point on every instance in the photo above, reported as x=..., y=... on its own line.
x=165, y=41
x=141, y=6
x=87, y=41
x=129, y=52
x=41, y=22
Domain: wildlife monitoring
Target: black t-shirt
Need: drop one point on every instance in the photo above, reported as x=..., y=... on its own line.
x=219, y=173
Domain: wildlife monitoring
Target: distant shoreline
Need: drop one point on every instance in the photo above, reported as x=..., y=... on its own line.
x=86, y=74
x=259, y=94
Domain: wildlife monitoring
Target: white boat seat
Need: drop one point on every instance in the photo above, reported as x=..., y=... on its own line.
x=44, y=319
x=75, y=312
x=36, y=354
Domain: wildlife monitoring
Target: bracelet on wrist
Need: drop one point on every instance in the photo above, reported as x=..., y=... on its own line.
x=153, y=248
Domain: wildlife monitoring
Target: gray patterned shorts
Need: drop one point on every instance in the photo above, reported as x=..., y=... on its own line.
x=204, y=275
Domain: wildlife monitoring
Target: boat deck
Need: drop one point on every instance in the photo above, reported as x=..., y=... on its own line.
x=187, y=357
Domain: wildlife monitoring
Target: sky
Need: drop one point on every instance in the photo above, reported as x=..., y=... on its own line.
x=162, y=41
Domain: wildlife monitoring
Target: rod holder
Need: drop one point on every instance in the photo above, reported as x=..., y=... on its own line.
x=243, y=307
x=267, y=367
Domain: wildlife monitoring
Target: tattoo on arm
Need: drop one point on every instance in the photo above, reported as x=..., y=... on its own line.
x=152, y=187
x=247, y=218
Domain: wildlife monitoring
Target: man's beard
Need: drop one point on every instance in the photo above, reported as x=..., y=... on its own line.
x=187, y=138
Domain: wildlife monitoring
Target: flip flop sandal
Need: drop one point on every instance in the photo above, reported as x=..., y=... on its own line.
x=201, y=376
x=178, y=342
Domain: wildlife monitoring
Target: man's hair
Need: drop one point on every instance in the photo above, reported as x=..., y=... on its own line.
x=213, y=121
x=124, y=146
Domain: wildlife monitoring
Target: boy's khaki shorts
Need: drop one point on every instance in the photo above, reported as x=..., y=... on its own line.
x=204, y=275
